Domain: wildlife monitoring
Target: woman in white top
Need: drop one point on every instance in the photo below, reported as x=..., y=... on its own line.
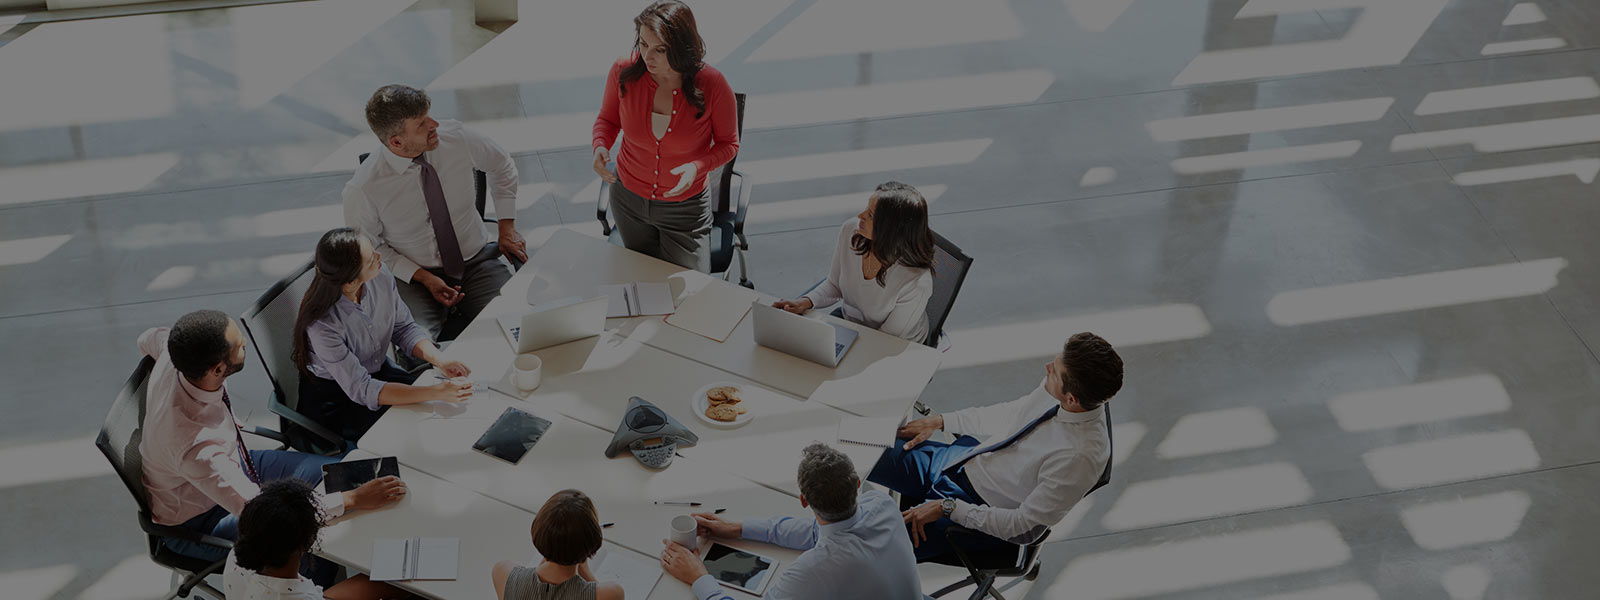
x=882, y=266
x=276, y=529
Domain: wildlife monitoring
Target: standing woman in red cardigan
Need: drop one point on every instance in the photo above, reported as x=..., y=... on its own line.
x=679, y=122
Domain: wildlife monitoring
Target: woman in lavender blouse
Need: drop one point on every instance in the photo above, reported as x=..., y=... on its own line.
x=348, y=318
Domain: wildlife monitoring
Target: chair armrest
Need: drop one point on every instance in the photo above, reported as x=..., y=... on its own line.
x=271, y=434
x=601, y=206
x=188, y=535
x=304, y=422
x=743, y=209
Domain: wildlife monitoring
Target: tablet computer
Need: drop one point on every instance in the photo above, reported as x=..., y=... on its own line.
x=740, y=570
x=344, y=476
x=511, y=435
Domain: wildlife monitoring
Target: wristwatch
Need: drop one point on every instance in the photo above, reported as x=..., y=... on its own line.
x=948, y=505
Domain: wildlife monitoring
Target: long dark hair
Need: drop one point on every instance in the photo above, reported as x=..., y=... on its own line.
x=673, y=22
x=338, y=261
x=900, y=234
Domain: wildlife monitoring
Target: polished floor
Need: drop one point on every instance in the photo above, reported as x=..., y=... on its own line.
x=1345, y=246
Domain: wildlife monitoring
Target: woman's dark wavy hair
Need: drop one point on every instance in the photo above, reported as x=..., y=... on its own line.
x=673, y=22
x=281, y=520
x=337, y=262
x=900, y=234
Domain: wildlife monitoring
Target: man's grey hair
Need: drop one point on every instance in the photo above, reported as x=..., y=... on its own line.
x=829, y=482
x=391, y=105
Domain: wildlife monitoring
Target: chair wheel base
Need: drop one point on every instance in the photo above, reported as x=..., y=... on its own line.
x=747, y=283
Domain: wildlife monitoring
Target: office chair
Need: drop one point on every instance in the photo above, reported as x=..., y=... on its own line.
x=480, y=184
x=1021, y=560
x=727, y=219
x=119, y=441
x=950, y=266
x=269, y=323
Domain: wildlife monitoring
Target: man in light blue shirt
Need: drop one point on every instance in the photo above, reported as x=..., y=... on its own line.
x=855, y=548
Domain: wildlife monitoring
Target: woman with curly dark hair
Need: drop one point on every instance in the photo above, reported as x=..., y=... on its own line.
x=277, y=529
x=679, y=122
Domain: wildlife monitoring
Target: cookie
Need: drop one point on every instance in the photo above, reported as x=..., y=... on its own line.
x=722, y=392
x=741, y=409
x=730, y=400
x=722, y=412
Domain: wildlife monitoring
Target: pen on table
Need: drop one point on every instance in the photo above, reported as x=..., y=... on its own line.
x=605, y=525
x=677, y=503
x=719, y=511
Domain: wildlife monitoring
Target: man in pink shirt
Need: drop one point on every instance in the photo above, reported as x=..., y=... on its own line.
x=196, y=469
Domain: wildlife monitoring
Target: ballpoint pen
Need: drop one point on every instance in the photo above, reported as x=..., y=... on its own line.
x=677, y=503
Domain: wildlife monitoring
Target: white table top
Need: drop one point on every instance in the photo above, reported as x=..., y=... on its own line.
x=437, y=440
x=591, y=381
x=880, y=376
x=749, y=470
x=490, y=531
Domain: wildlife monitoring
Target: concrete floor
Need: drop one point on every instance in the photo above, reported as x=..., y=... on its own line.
x=1345, y=246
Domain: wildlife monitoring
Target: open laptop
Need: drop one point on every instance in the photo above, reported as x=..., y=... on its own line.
x=555, y=323
x=817, y=341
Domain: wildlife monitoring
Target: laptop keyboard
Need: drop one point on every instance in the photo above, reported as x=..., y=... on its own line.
x=838, y=348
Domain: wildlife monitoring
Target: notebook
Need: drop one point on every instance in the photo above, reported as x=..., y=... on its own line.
x=343, y=476
x=714, y=311
x=638, y=299
x=637, y=576
x=415, y=558
x=867, y=431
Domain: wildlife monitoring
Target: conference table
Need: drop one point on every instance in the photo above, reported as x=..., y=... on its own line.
x=748, y=470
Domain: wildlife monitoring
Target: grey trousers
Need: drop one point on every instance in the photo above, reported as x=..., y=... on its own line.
x=671, y=231
x=484, y=276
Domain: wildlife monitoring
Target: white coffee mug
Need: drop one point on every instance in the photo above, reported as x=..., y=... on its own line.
x=528, y=371
x=685, y=532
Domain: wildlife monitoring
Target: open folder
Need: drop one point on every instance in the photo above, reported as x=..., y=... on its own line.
x=638, y=299
x=715, y=310
x=415, y=558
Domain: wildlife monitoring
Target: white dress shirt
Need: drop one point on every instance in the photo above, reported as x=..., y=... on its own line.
x=239, y=583
x=191, y=447
x=1030, y=485
x=384, y=198
x=899, y=307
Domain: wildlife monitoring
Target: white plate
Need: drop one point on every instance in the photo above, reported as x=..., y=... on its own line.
x=701, y=403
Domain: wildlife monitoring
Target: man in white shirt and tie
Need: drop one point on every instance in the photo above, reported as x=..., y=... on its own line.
x=417, y=199
x=1040, y=455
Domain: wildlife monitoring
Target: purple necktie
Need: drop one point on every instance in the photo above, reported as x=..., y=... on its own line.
x=1048, y=414
x=444, y=231
x=244, y=453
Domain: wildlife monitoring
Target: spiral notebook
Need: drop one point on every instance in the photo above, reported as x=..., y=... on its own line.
x=415, y=558
x=868, y=431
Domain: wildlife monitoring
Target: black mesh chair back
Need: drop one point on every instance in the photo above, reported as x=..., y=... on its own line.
x=269, y=323
x=118, y=440
x=725, y=219
x=950, y=267
x=122, y=431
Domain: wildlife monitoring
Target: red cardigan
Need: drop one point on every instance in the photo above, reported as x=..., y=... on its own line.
x=643, y=163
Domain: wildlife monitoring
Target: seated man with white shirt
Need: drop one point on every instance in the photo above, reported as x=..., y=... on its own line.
x=416, y=196
x=1040, y=455
x=197, y=471
x=855, y=548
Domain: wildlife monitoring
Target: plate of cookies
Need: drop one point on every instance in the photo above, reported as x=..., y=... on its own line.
x=722, y=405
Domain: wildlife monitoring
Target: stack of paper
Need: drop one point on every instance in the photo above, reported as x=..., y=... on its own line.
x=868, y=431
